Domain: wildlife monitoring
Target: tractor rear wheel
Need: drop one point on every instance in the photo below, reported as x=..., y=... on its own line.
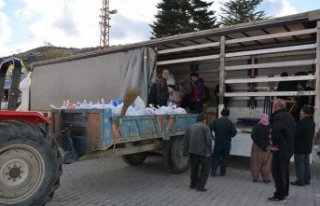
x=173, y=155
x=30, y=165
x=135, y=159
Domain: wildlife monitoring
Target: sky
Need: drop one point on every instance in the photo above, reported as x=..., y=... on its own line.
x=27, y=24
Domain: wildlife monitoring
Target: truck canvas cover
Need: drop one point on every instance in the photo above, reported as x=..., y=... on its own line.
x=91, y=78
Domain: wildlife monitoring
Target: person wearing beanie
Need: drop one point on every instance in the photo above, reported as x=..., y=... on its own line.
x=303, y=146
x=224, y=130
x=260, y=163
x=225, y=112
x=198, y=144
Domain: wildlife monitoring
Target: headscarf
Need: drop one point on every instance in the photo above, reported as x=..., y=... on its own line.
x=264, y=119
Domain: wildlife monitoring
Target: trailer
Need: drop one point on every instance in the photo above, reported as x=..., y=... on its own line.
x=89, y=133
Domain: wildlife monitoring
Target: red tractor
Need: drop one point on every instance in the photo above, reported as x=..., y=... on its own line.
x=30, y=162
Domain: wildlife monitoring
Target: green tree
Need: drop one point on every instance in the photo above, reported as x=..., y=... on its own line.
x=181, y=16
x=203, y=18
x=240, y=11
x=173, y=17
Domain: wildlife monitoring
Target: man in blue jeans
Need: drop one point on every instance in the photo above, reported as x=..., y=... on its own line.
x=303, y=146
x=224, y=130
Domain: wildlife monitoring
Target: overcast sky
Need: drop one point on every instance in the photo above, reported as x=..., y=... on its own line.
x=26, y=24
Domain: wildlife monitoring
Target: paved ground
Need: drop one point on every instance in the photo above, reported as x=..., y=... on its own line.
x=110, y=182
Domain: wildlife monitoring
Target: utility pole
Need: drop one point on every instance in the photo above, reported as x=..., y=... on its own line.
x=105, y=24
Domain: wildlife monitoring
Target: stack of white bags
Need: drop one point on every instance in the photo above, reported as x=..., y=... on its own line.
x=138, y=107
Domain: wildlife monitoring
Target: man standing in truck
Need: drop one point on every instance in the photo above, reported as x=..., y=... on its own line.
x=198, y=144
x=198, y=92
x=162, y=92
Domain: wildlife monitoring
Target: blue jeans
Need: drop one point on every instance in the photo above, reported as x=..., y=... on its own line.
x=302, y=166
x=220, y=155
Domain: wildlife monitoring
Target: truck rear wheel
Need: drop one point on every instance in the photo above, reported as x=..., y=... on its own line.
x=173, y=155
x=135, y=159
x=30, y=165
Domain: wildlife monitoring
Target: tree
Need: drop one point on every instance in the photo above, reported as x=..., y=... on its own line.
x=240, y=11
x=181, y=16
x=203, y=18
x=173, y=17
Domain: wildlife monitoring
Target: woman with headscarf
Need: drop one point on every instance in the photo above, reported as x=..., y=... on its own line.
x=260, y=154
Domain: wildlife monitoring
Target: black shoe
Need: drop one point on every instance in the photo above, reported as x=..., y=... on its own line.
x=202, y=189
x=213, y=175
x=274, y=199
x=192, y=186
x=307, y=183
x=296, y=183
x=254, y=180
x=266, y=181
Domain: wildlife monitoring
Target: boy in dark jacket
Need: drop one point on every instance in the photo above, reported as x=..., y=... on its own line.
x=303, y=146
x=224, y=130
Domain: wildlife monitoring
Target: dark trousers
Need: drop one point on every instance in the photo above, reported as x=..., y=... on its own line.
x=200, y=168
x=162, y=102
x=280, y=174
x=220, y=155
x=302, y=166
x=198, y=105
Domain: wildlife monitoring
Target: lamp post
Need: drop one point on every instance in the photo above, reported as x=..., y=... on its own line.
x=105, y=24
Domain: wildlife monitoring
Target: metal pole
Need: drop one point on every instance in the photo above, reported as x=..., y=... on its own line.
x=104, y=34
x=317, y=81
x=222, y=75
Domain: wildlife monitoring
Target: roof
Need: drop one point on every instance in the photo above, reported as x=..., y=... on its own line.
x=290, y=23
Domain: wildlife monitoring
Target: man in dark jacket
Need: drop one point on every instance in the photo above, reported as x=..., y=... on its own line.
x=224, y=130
x=303, y=146
x=282, y=135
x=198, y=144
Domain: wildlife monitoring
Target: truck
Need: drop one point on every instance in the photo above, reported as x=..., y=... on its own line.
x=248, y=58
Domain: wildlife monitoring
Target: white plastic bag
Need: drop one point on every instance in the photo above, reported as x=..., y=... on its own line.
x=139, y=103
x=179, y=110
x=116, y=111
x=131, y=111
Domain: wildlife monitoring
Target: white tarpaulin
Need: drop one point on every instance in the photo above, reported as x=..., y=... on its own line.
x=91, y=78
x=137, y=70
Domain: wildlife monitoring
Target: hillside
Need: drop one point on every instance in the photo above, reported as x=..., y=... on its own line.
x=49, y=52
